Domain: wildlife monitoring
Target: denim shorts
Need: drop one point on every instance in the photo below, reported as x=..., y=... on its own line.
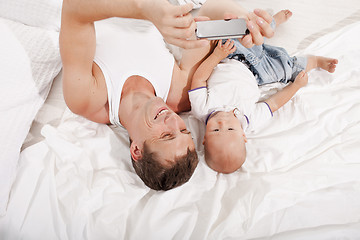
x=269, y=64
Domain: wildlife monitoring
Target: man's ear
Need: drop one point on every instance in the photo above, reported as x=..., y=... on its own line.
x=135, y=151
x=245, y=138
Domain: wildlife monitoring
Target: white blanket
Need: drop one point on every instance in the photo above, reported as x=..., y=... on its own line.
x=300, y=180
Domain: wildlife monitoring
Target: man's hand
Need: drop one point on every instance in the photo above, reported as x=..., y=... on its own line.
x=258, y=23
x=223, y=50
x=175, y=23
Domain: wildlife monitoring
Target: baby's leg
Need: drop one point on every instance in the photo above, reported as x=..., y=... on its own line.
x=282, y=16
x=328, y=64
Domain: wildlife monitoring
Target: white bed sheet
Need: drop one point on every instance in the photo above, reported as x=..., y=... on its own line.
x=29, y=61
x=301, y=179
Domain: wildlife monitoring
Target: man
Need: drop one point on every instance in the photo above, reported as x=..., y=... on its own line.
x=134, y=82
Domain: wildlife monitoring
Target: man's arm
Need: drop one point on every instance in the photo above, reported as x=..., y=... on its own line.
x=175, y=23
x=83, y=93
x=279, y=99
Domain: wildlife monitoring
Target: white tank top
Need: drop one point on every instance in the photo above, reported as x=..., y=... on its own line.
x=122, y=53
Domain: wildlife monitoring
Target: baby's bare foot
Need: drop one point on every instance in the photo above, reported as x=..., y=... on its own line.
x=282, y=16
x=328, y=64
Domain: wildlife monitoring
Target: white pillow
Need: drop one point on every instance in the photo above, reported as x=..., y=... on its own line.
x=37, y=13
x=29, y=61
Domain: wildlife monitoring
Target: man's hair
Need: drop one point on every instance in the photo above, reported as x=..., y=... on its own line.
x=159, y=177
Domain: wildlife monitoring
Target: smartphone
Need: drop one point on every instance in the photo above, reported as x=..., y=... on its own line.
x=221, y=29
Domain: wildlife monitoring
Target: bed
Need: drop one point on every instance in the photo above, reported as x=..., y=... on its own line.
x=64, y=177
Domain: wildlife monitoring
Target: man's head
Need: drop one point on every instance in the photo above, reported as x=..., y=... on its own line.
x=165, y=177
x=161, y=148
x=224, y=143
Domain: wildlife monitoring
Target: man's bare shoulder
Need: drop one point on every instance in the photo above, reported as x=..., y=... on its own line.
x=88, y=97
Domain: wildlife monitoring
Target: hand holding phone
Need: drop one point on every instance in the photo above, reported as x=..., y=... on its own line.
x=221, y=29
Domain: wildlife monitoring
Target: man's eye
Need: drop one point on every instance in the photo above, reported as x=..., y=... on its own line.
x=185, y=131
x=166, y=135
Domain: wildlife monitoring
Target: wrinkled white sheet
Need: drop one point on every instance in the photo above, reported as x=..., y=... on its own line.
x=301, y=179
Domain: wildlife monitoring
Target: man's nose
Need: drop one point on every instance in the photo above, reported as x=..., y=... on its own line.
x=171, y=120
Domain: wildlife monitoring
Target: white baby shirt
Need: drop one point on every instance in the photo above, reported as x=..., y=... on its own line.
x=230, y=86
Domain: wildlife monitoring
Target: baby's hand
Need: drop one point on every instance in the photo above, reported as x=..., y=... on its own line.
x=301, y=79
x=223, y=50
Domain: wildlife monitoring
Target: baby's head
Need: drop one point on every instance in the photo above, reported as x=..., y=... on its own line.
x=224, y=142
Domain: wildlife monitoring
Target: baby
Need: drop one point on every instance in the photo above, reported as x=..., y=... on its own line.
x=225, y=96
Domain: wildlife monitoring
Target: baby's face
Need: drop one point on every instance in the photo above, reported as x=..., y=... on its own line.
x=225, y=141
x=224, y=126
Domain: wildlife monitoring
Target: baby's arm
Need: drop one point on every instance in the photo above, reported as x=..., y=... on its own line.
x=205, y=69
x=278, y=100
